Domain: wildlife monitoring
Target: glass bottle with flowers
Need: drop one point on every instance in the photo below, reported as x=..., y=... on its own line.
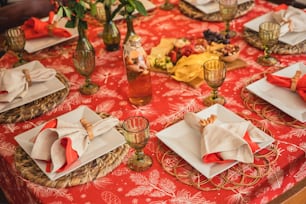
x=84, y=55
x=75, y=11
x=126, y=8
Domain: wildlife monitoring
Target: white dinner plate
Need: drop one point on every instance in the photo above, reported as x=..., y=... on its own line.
x=99, y=146
x=147, y=4
x=290, y=38
x=185, y=141
x=210, y=7
x=37, y=44
x=36, y=90
x=282, y=98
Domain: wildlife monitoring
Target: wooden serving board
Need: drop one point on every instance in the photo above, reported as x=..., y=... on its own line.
x=197, y=82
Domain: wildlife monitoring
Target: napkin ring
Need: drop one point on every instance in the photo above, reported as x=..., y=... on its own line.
x=26, y=73
x=50, y=29
x=209, y=120
x=295, y=79
x=88, y=128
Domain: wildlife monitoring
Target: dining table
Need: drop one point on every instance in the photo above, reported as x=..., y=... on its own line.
x=280, y=166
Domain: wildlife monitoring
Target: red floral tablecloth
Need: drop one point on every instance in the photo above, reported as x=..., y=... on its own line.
x=171, y=100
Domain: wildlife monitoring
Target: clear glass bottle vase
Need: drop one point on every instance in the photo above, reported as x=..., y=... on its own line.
x=111, y=34
x=130, y=28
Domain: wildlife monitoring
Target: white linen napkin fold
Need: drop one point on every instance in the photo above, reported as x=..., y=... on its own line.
x=226, y=139
x=50, y=144
x=15, y=83
x=291, y=20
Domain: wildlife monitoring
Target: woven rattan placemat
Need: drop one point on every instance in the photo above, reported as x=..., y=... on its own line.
x=89, y=172
x=37, y=107
x=192, y=12
x=280, y=48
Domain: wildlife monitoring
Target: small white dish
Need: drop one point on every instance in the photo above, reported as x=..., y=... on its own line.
x=37, y=44
x=147, y=4
x=290, y=38
x=185, y=141
x=282, y=98
x=36, y=90
x=210, y=7
x=99, y=146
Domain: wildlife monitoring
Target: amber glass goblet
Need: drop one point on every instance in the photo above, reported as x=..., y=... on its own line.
x=228, y=10
x=214, y=75
x=268, y=33
x=84, y=62
x=137, y=133
x=16, y=40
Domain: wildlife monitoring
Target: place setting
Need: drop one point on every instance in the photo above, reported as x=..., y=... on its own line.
x=196, y=140
x=285, y=90
x=46, y=32
x=292, y=32
x=35, y=91
x=87, y=136
x=209, y=10
x=81, y=146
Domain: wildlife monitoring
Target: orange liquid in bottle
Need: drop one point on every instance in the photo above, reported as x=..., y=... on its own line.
x=140, y=89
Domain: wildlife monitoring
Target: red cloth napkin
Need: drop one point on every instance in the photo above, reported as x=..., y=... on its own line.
x=217, y=158
x=287, y=82
x=60, y=143
x=35, y=28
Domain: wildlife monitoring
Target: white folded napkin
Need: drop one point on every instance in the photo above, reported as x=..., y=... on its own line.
x=226, y=141
x=15, y=83
x=291, y=20
x=201, y=2
x=61, y=143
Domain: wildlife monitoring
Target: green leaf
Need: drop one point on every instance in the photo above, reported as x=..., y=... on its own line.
x=132, y=3
x=70, y=24
x=140, y=7
x=60, y=13
x=67, y=12
x=129, y=9
x=93, y=9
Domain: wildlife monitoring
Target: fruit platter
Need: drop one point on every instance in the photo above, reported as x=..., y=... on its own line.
x=183, y=58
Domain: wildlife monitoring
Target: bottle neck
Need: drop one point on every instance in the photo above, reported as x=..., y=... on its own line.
x=108, y=14
x=130, y=28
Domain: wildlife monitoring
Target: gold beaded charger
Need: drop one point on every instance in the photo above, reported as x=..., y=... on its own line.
x=192, y=12
x=87, y=173
x=240, y=175
x=252, y=38
x=37, y=107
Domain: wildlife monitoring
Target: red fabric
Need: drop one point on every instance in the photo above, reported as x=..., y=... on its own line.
x=35, y=28
x=171, y=99
x=216, y=157
x=286, y=82
x=71, y=155
x=281, y=7
x=51, y=124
